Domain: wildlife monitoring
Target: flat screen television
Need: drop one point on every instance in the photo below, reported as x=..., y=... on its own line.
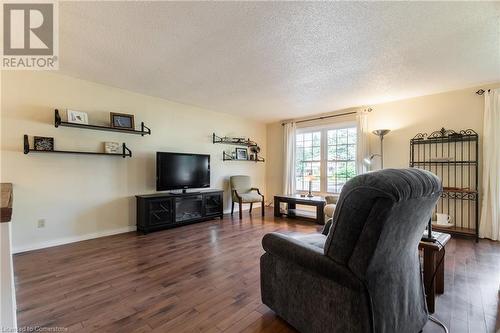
x=182, y=171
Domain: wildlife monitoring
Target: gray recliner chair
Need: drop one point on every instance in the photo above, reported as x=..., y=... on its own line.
x=362, y=274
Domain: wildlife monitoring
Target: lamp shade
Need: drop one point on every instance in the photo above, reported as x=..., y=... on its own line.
x=381, y=132
x=309, y=178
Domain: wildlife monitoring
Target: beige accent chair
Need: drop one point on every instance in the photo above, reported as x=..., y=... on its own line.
x=331, y=204
x=242, y=192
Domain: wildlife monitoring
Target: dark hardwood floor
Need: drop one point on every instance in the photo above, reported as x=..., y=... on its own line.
x=205, y=277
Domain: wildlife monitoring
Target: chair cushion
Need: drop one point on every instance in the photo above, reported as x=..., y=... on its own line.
x=250, y=197
x=315, y=239
x=331, y=199
x=240, y=184
x=329, y=210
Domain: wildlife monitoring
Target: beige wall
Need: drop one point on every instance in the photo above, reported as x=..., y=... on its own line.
x=84, y=196
x=7, y=290
x=456, y=110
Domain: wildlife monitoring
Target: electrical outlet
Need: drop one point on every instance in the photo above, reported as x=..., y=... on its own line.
x=41, y=223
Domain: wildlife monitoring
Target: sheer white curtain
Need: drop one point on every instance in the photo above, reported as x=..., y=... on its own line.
x=490, y=211
x=362, y=149
x=289, y=131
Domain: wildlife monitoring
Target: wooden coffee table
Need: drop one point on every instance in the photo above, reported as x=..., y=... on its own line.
x=434, y=262
x=295, y=199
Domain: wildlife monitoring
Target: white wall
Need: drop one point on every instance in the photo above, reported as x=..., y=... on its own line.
x=456, y=110
x=83, y=196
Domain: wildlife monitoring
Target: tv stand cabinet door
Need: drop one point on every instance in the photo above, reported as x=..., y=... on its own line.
x=159, y=212
x=213, y=204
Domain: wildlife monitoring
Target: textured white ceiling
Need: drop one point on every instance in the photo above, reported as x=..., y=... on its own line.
x=277, y=60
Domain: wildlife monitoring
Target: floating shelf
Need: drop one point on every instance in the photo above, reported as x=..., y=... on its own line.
x=227, y=157
x=125, y=151
x=233, y=141
x=58, y=122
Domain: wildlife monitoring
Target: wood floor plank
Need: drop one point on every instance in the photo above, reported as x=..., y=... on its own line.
x=205, y=277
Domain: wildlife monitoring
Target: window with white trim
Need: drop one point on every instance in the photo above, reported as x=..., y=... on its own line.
x=328, y=154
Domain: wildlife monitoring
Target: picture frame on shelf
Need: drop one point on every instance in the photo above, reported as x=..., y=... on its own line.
x=43, y=143
x=122, y=120
x=112, y=148
x=77, y=117
x=241, y=154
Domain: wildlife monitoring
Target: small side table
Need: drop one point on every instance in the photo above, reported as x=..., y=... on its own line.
x=292, y=212
x=434, y=260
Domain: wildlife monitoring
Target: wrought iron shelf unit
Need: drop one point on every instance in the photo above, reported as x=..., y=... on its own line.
x=444, y=162
x=233, y=141
x=227, y=157
x=453, y=157
x=467, y=232
x=126, y=152
x=58, y=122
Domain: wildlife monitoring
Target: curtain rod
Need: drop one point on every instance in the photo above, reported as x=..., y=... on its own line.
x=482, y=91
x=326, y=117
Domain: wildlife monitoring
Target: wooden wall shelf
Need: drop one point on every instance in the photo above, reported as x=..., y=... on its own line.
x=58, y=122
x=227, y=157
x=126, y=152
x=242, y=142
x=233, y=141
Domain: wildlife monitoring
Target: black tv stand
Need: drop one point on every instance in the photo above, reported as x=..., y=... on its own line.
x=184, y=192
x=168, y=210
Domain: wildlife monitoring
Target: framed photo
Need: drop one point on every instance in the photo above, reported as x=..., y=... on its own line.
x=241, y=154
x=112, y=148
x=121, y=120
x=77, y=117
x=44, y=143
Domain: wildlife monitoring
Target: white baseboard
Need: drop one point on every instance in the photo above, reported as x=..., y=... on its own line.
x=246, y=206
x=73, y=239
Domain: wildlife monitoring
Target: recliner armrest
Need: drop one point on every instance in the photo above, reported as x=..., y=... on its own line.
x=310, y=258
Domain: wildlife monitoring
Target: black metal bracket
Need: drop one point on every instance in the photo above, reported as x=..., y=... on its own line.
x=144, y=129
x=26, y=144
x=57, y=118
x=126, y=152
x=481, y=92
x=226, y=157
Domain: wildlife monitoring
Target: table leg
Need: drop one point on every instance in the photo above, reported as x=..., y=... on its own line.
x=320, y=214
x=440, y=274
x=277, y=212
x=430, y=288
